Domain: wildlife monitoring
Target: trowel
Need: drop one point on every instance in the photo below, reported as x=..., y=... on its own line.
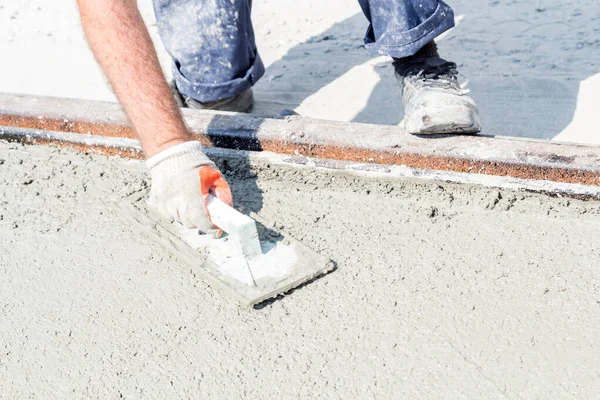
x=250, y=262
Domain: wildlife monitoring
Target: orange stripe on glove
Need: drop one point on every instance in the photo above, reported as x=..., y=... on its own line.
x=211, y=182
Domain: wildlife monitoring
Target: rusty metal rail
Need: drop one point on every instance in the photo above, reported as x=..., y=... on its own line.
x=342, y=141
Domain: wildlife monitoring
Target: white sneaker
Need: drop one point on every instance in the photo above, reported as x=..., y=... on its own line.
x=434, y=100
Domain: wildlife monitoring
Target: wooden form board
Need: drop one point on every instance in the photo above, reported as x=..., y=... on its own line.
x=318, y=139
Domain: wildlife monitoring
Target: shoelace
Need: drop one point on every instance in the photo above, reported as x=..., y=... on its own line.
x=442, y=75
x=434, y=72
x=444, y=71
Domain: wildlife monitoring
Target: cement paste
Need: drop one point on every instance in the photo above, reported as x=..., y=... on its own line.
x=442, y=291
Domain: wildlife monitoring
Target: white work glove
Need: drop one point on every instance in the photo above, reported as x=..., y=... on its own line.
x=179, y=189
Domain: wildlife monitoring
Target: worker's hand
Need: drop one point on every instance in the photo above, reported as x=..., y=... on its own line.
x=182, y=178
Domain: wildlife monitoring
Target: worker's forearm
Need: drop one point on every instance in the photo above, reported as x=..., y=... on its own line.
x=121, y=43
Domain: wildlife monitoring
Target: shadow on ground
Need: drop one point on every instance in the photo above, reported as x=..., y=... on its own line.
x=525, y=65
x=309, y=67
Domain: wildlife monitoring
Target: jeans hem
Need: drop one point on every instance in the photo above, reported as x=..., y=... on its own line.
x=207, y=92
x=413, y=40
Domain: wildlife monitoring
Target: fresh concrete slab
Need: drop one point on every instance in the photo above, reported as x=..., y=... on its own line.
x=442, y=290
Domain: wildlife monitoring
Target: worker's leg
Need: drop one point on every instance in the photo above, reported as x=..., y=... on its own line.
x=212, y=45
x=399, y=28
x=434, y=100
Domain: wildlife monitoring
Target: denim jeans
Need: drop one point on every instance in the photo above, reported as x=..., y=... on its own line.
x=215, y=56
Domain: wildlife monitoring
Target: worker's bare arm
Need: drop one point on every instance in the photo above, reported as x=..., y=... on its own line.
x=122, y=46
x=121, y=43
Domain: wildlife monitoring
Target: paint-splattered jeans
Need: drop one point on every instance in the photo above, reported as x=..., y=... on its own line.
x=215, y=56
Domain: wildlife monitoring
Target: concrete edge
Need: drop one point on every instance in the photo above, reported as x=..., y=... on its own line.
x=131, y=149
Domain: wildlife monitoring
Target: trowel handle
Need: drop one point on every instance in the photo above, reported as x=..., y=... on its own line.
x=240, y=227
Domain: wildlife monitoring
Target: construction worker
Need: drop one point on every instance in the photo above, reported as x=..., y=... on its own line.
x=215, y=64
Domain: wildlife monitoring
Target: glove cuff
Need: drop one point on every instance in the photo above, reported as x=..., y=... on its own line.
x=193, y=148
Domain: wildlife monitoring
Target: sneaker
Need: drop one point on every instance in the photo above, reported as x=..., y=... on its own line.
x=242, y=102
x=434, y=101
